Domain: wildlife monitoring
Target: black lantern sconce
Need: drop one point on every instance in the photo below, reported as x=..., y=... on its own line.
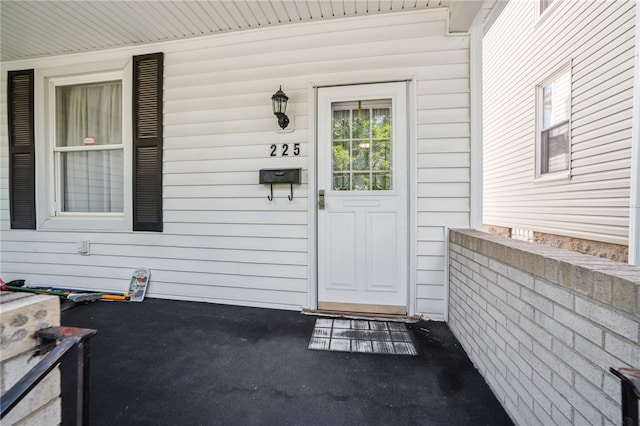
x=279, y=102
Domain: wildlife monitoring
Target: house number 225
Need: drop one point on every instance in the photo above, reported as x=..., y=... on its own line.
x=284, y=150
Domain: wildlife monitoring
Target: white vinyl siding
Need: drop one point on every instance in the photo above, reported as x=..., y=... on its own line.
x=519, y=53
x=223, y=241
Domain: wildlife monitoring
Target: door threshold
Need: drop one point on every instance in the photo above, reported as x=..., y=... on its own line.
x=362, y=315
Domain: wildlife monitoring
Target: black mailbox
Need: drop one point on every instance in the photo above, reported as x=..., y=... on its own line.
x=276, y=176
x=270, y=176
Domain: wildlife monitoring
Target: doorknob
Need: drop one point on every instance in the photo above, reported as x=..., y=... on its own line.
x=321, y=199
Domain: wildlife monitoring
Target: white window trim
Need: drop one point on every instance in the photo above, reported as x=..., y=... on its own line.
x=46, y=185
x=541, y=15
x=564, y=174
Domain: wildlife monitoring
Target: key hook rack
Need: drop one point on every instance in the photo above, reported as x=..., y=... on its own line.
x=290, y=197
x=280, y=176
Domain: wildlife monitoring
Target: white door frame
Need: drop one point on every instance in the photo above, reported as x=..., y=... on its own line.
x=411, y=177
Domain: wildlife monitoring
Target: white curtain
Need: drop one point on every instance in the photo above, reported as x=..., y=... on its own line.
x=92, y=179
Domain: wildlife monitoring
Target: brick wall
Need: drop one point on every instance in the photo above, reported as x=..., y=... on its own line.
x=21, y=316
x=544, y=325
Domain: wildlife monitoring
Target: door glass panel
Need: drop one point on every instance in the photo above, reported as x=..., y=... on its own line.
x=360, y=182
x=341, y=182
x=341, y=130
x=381, y=125
x=360, y=155
x=341, y=156
x=381, y=155
x=361, y=122
x=362, y=146
x=381, y=181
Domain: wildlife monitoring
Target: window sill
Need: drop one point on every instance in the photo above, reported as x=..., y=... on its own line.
x=553, y=177
x=69, y=223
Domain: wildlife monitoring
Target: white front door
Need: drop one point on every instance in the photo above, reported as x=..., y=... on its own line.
x=362, y=198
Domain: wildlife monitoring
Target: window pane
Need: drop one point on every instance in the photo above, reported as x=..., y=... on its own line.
x=341, y=182
x=547, y=105
x=361, y=155
x=556, y=100
x=341, y=156
x=381, y=181
x=89, y=114
x=92, y=181
x=555, y=149
x=361, y=127
x=381, y=155
x=340, y=124
x=544, y=4
x=360, y=182
x=381, y=126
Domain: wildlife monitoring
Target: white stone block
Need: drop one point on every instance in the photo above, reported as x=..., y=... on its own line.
x=16, y=367
x=498, y=267
x=595, y=353
x=555, y=293
x=47, y=391
x=626, y=350
x=578, y=324
x=511, y=341
x=541, y=414
x=558, y=418
x=559, y=331
x=609, y=408
x=519, y=276
x=538, y=333
x=559, y=404
x=489, y=274
x=48, y=415
x=511, y=285
x=606, y=316
x=519, y=305
x=534, y=299
x=498, y=289
x=580, y=405
x=581, y=366
x=559, y=368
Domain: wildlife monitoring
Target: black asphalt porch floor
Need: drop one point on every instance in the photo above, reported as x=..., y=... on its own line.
x=163, y=362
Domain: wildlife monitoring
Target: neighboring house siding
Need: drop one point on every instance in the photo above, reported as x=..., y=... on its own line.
x=223, y=241
x=520, y=52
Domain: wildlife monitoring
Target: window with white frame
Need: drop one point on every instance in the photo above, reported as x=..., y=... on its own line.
x=553, y=136
x=88, y=149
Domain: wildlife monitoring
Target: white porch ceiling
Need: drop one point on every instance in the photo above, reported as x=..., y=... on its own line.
x=30, y=29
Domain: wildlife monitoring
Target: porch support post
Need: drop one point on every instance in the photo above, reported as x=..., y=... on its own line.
x=475, y=77
x=634, y=195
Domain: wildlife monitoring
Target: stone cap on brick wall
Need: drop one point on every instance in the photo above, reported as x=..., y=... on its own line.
x=613, y=283
x=22, y=315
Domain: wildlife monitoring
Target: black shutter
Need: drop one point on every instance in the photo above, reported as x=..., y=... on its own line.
x=22, y=157
x=147, y=142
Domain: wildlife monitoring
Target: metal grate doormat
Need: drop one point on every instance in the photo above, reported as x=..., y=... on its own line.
x=374, y=337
